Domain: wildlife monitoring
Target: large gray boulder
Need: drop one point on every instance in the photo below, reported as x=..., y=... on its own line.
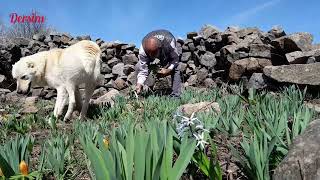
x=260, y=51
x=118, y=69
x=295, y=42
x=208, y=59
x=308, y=74
x=239, y=67
x=303, y=159
x=300, y=57
x=130, y=59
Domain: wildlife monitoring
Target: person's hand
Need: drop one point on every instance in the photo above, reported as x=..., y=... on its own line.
x=138, y=88
x=164, y=72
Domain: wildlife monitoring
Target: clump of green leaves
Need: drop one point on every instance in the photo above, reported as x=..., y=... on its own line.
x=143, y=152
x=271, y=123
x=56, y=156
x=13, y=152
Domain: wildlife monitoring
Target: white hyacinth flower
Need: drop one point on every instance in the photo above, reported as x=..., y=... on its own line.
x=200, y=139
x=193, y=126
x=189, y=121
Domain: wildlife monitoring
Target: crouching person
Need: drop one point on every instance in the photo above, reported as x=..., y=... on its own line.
x=160, y=44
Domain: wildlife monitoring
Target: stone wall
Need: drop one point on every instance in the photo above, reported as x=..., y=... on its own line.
x=207, y=56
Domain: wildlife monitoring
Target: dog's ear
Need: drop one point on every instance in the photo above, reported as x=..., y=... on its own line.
x=30, y=65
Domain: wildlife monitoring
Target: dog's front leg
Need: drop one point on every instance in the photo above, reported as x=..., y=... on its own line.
x=72, y=101
x=63, y=100
x=58, y=102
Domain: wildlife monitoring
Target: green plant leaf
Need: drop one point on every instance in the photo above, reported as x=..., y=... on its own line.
x=186, y=152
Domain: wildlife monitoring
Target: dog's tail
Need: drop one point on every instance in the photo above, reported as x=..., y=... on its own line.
x=96, y=71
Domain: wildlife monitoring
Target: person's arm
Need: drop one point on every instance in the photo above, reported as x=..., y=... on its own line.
x=143, y=70
x=174, y=56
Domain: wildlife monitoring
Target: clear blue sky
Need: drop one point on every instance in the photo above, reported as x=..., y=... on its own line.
x=129, y=21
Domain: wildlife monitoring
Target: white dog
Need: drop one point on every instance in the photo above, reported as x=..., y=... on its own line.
x=64, y=70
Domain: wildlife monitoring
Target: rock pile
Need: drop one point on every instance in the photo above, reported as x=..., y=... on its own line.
x=206, y=56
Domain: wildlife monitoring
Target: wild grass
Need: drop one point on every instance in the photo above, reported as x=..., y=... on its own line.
x=120, y=142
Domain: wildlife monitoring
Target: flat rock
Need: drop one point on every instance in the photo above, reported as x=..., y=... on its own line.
x=294, y=42
x=188, y=109
x=29, y=105
x=307, y=74
x=108, y=98
x=300, y=57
